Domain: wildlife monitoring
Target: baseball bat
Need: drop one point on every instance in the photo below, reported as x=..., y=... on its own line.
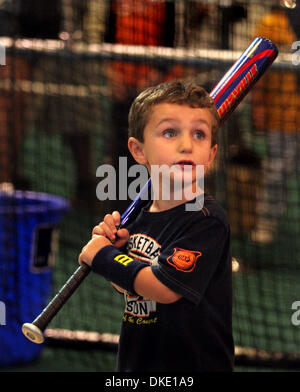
x=227, y=94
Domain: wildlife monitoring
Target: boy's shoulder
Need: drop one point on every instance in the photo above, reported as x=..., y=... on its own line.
x=180, y=216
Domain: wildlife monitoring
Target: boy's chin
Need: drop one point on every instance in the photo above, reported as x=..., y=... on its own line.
x=185, y=177
x=188, y=188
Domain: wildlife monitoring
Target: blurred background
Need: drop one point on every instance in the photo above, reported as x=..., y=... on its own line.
x=69, y=72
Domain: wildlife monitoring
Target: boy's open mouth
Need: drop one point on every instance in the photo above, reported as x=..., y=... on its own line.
x=186, y=164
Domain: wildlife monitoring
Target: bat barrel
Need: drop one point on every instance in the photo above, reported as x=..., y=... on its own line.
x=34, y=331
x=242, y=76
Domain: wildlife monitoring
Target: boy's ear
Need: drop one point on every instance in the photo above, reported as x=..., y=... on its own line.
x=212, y=155
x=137, y=151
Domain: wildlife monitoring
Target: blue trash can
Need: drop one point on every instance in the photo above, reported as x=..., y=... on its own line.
x=28, y=238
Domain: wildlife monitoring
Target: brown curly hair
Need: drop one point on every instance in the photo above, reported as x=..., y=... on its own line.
x=178, y=92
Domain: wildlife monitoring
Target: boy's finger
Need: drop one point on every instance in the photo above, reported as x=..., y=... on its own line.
x=123, y=234
x=109, y=221
x=98, y=230
x=108, y=232
x=117, y=218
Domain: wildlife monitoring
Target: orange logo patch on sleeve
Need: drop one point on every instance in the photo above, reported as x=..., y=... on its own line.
x=184, y=260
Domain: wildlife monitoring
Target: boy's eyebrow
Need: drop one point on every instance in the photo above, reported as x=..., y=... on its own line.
x=167, y=120
x=200, y=120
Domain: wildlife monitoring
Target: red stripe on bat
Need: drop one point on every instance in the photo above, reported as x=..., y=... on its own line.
x=258, y=56
x=238, y=92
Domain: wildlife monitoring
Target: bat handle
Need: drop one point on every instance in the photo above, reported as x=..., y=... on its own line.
x=34, y=331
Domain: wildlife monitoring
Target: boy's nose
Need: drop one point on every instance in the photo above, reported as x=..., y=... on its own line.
x=185, y=144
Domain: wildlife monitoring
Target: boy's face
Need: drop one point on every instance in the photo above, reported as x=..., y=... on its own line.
x=176, y=135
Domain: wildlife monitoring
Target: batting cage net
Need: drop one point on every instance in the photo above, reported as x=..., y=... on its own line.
x=68, y=75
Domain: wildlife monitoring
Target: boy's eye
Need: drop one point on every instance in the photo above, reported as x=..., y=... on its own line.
x=169, y=133
x=199, y=134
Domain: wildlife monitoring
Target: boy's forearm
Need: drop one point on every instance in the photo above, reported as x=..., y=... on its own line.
x=133, y=276
x=148, y=286
x=117, y=267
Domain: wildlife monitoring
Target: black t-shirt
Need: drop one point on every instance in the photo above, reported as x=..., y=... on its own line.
x=189, y=251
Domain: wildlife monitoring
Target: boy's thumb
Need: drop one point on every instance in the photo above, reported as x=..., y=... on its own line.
x=123, y=234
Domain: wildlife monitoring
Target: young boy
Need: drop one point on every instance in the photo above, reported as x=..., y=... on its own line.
x=176, y=270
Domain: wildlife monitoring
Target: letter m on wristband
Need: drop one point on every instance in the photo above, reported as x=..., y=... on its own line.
x=123, y=259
